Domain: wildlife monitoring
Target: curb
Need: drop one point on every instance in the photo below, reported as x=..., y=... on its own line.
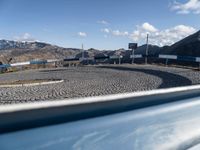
x=31, y=84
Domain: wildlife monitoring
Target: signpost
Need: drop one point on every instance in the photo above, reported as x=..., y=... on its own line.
x=132, y=46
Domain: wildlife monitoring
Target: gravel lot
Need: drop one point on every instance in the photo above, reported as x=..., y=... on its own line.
x=94, y=81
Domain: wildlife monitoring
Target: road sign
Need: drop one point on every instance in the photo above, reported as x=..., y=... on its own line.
x=135, y=56
x=116, y=57
x=132, y=45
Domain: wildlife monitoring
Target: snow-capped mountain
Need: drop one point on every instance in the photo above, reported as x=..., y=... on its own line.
x=6, y=44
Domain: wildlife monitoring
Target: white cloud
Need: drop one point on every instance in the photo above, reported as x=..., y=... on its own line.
x=82, y=34
x=191, y=6
x=103, y=22
x=148, y=27
x=25, y=37
x=120, y=33
x=115, y=32
x=157, y=37
x=162, y=37
x=106, y=30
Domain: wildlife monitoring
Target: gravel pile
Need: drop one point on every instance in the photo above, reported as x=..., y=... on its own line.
x=94, y=81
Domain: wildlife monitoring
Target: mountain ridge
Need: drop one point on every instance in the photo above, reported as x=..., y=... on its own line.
x=189, y=46
x=25, y=51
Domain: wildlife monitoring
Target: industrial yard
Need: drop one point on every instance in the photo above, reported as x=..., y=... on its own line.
x=92, y=81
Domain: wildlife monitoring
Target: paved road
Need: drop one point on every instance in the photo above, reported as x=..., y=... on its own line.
x=94, y=81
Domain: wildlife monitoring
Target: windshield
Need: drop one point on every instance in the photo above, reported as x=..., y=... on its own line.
x=98, y=74
x=55, y=50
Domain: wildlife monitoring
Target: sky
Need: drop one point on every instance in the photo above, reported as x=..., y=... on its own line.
x=100, y=24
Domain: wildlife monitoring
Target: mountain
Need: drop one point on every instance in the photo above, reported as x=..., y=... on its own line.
x=26, y=51
x=5, y=45
x=189, y=46
x=153, y=50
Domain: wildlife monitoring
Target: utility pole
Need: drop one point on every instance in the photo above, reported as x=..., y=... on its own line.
x=147, y=49
x=82, y=52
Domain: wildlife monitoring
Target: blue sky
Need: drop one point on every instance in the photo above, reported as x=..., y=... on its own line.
x=102, y=24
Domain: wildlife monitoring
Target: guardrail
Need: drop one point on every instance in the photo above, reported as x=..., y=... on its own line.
x=181, y=58
x=34, y=62
x=161, y=56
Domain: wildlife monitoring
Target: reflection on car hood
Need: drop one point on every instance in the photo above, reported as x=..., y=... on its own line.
x=168, y=126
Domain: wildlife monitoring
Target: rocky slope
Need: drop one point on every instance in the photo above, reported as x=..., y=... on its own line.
x=25, y=51
x=189, y=46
